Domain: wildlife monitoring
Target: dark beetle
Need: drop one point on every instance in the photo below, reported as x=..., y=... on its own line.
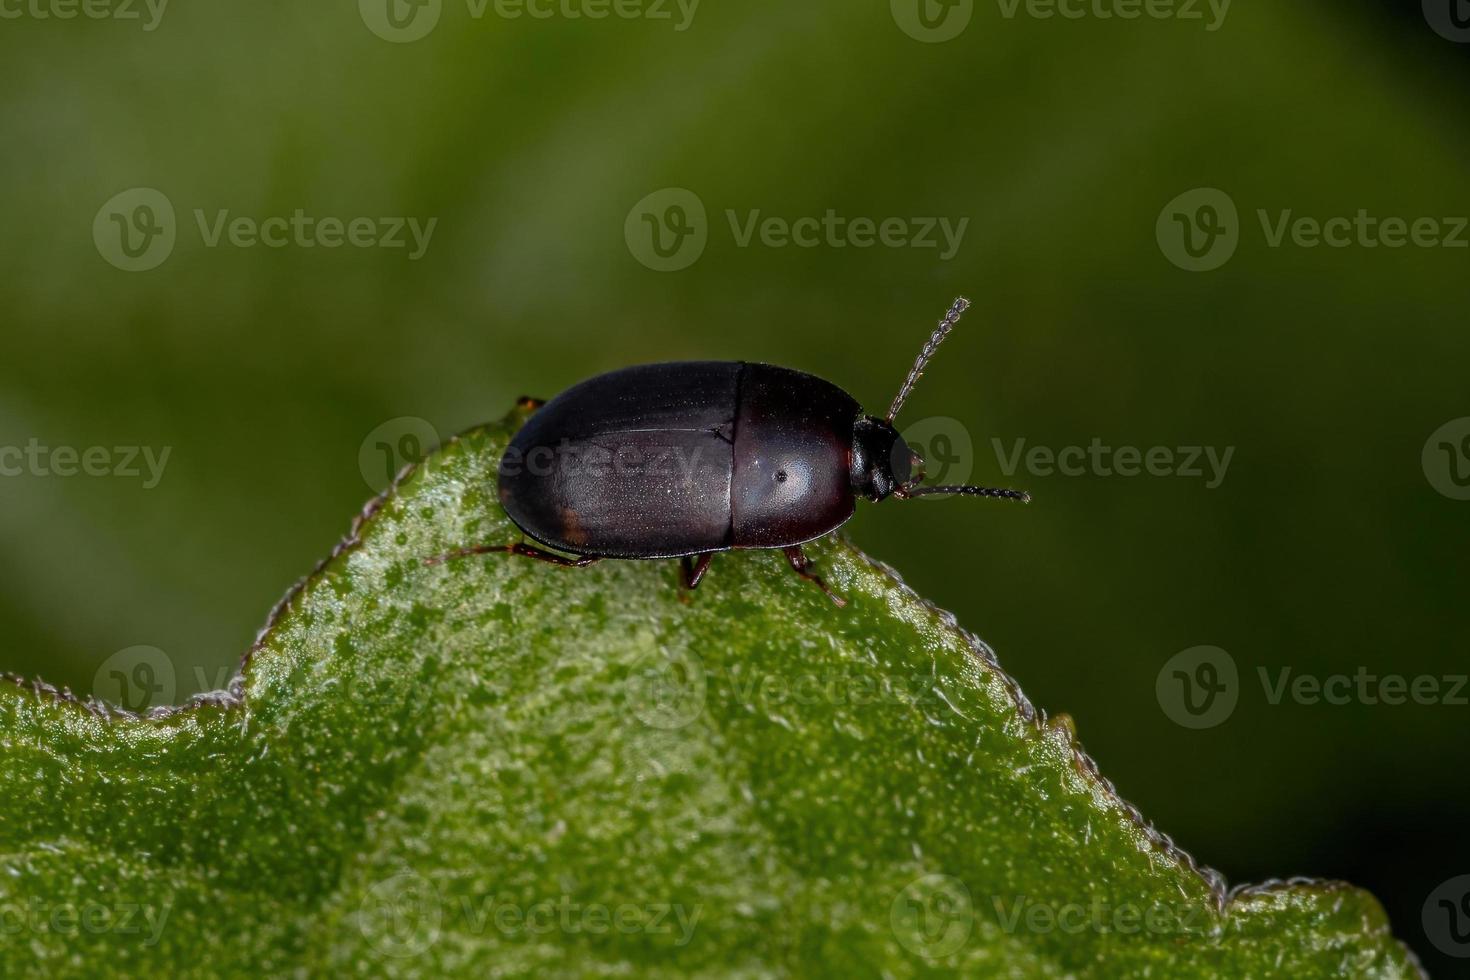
x=689, y=458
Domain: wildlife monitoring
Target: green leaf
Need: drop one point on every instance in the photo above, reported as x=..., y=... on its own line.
x=498, y=766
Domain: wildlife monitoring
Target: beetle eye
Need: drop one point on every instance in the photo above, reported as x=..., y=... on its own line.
x=901, y=461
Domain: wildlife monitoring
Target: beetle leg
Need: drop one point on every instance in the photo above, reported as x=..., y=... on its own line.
x=694, y=568
x=519, y=548
x=802, y=565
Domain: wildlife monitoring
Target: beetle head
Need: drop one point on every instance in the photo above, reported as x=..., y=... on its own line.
x=882, y=463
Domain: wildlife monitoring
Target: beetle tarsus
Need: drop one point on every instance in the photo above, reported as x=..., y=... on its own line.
x=519, y=548
x=693, y=569
x=802, y=565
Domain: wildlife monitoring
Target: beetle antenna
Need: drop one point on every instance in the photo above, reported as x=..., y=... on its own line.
x=956, y=310
x=969, y=491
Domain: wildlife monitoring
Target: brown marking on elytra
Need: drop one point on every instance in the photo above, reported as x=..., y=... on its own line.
x=571, y=527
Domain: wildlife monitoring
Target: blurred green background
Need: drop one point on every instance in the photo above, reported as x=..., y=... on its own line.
x=268, y=372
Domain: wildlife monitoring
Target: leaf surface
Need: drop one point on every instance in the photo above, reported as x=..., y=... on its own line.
x=496, y=767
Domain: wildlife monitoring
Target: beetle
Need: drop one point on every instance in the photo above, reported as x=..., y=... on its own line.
x=687, y=459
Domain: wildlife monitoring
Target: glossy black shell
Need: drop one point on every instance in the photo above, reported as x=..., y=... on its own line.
x=665, y=460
